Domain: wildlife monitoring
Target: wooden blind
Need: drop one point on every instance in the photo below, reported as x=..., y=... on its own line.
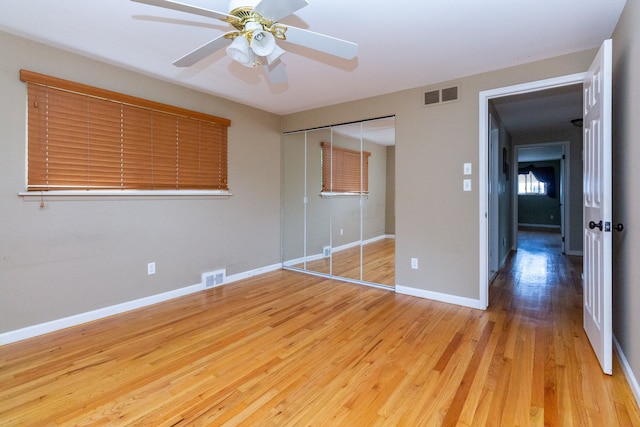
x=80, y=137
x=342, y=169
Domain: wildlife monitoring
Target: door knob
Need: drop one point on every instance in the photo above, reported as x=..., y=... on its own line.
x=618, y=227
x=593, y=225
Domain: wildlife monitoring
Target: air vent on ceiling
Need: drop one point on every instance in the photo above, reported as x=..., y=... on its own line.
x=440, y=96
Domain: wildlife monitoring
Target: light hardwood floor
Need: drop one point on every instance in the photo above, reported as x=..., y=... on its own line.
x=292, y=349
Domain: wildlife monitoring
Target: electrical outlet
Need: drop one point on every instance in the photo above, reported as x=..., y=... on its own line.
x=342, y=231
x=414, y=263
x=151, y=268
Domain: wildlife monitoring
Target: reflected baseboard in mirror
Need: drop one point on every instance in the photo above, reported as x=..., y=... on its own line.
x=378, y=263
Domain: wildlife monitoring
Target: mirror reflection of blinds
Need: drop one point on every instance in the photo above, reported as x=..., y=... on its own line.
x=78, y=140
x=341, y=170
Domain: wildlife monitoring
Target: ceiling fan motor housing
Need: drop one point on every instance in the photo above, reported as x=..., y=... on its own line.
x=243, y=15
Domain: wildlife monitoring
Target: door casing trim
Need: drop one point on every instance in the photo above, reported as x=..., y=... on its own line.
x=483, y=162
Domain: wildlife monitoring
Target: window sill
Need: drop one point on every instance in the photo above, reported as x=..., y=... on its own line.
x=119, y=194
x=326, y=194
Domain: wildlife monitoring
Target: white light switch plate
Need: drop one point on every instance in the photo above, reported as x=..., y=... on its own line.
x=467, y=169
x=466, y=185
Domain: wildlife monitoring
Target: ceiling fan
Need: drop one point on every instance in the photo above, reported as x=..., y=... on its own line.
x=253, y=42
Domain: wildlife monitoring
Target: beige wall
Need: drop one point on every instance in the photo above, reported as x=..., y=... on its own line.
x=626, y=175
x=74, y=256
x=436, y=221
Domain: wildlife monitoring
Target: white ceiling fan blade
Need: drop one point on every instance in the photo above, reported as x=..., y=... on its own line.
x=168, y=4
x=275, y=10
x=203, y=51
x=320, y=42
x=276, y=72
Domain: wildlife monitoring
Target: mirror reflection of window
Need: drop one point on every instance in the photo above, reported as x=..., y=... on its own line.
x=342, y=168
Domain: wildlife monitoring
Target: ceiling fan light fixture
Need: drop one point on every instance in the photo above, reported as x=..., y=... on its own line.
x=263, y=43
x=239, y=51
x=275, y=54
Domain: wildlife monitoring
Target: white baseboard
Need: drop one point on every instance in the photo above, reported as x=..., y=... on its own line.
x=78, y=319
x=503, y=261
x=364, y=242
x=626, y=369
x=300, y=260
x=251, y=273
x=437, y=296
x=345, y=246
x=380, y=237
x=66, y=322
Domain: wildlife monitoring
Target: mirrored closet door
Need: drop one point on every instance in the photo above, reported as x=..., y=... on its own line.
x=338, y=201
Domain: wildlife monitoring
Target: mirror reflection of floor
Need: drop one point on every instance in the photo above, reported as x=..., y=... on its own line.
x=378, y=263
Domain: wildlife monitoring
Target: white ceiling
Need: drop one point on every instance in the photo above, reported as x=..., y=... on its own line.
x=540, y=153
x=403, y=43
x=547, y=111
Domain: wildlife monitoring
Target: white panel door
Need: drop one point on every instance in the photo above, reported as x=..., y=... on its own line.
x=597, y=206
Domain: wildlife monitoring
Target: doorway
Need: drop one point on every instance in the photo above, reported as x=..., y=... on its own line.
x=534, y=210
x=521, y=95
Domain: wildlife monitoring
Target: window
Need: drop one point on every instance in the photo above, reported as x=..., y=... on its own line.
x=529, y=184
x=85, y=138
x=341, y=170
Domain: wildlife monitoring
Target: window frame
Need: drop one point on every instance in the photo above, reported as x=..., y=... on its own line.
x=127, y=101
